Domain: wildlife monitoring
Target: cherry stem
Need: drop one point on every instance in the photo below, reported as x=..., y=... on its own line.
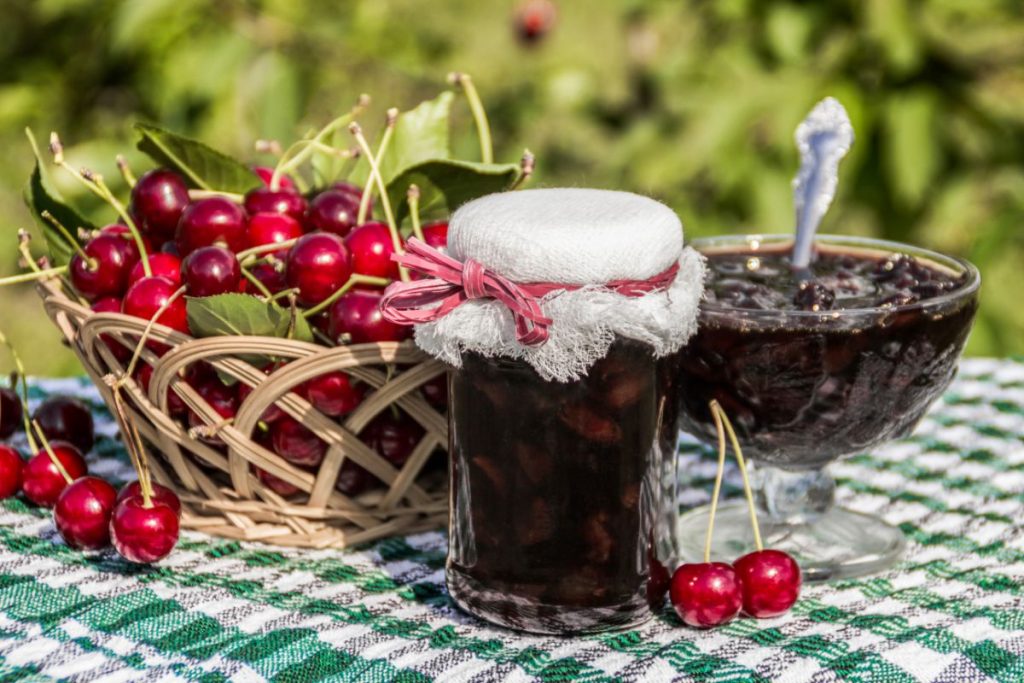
x=483, y=128
x=302, y=149
x=396, y=241
x=255, y=282
x=266, y=249
x=137, y=353
x=126, y=171
x=207, y=194
x=20, y=367
x=33, y=276
x=413, y=197
x=66, y=234
x=94, y=182
x=718, y=480
x=382, y=148
x=53, y=456
x=526, y=165
x=353, y=280
x=130, y=435
x=748, y=492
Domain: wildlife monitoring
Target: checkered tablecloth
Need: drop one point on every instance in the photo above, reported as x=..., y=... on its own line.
x=218, y=610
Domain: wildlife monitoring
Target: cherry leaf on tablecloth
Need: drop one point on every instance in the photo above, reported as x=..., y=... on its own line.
x=40, y=196
x=201, y=166
x=243, y=315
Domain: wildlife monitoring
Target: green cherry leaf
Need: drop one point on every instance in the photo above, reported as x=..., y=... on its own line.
x=40, y=196
x=243, y=315
x=202, y=166
x=449, y=183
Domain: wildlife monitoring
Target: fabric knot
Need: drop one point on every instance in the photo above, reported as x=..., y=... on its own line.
x=473, y=279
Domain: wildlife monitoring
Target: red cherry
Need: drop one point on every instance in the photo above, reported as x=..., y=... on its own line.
x=266, y=173
x=318, y=265
x=161, y=265
x=161, y=495
x=208, y=271
x=333, y=211
x=533, y=20
x=371, y=248
x=272, y=412
x=112, y=305
x=10, y=412
x=215, y=220
x=393, y=437
x=158, y=198
x=145, y=298
x=436, y=235
x=333, y=394
x=357, y=314
x=272, y=228
x=142, y=534
x=706, y=594
x=295, y=443
x=82, y=513
x=285, y=201
x=125, y=234
x=222, y=398
x=103, y=269
x=348, y=188
x=276, y=484
x=175, y=404
x=65, y=418
x=42, y=482
x=271, y=275
x=353, y=479
x=771, y=582
x=11, y=468
x=436, y=392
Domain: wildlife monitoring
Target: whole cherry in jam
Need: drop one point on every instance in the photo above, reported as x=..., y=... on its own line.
x=318, y=265
x=208, y=271
x=215, y=220
x=706, y=594
x=333, y=211
x=371, y=248
x=144, y=534
x=66, y=418
x=356, y=318
x=82, y=513
x=11, y=468
x=770, y=582
x=42, y=483
x=157, y=201
x=282, y=200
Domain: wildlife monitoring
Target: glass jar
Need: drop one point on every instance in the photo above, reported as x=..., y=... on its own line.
x=556, y=493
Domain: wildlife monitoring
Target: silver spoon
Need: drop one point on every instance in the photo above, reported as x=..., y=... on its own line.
x=823, y=138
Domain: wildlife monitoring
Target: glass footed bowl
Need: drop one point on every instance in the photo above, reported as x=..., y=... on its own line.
x=804, y=388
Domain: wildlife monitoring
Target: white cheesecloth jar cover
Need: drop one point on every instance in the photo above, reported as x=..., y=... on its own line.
x=579, y=237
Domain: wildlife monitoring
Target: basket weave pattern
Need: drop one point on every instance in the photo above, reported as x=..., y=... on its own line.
x=215, y=481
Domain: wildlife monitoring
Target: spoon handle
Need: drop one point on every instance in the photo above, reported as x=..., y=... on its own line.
x=823, y=138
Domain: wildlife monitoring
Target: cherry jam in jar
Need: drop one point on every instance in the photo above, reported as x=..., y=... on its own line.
x=556, y=493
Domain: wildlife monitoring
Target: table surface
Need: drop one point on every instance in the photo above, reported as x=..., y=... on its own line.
x=218, y=610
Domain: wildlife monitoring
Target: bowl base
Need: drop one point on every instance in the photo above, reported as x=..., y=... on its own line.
x=839, y=544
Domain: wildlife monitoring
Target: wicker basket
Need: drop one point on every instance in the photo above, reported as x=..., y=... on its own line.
x=216, y=484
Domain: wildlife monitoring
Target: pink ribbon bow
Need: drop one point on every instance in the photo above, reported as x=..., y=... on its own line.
x=451, y=283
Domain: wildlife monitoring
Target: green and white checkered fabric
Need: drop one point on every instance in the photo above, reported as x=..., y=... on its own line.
x=219, y=610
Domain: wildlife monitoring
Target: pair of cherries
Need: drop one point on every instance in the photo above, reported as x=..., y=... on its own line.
x=763, y=584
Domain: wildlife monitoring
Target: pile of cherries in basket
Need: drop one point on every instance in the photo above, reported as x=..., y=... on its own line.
x=87, y=511
x=334, y=268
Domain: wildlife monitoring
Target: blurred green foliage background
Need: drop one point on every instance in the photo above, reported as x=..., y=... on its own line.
x=691, y=101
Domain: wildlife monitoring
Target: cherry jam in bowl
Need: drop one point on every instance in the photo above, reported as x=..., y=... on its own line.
x=816, y=364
